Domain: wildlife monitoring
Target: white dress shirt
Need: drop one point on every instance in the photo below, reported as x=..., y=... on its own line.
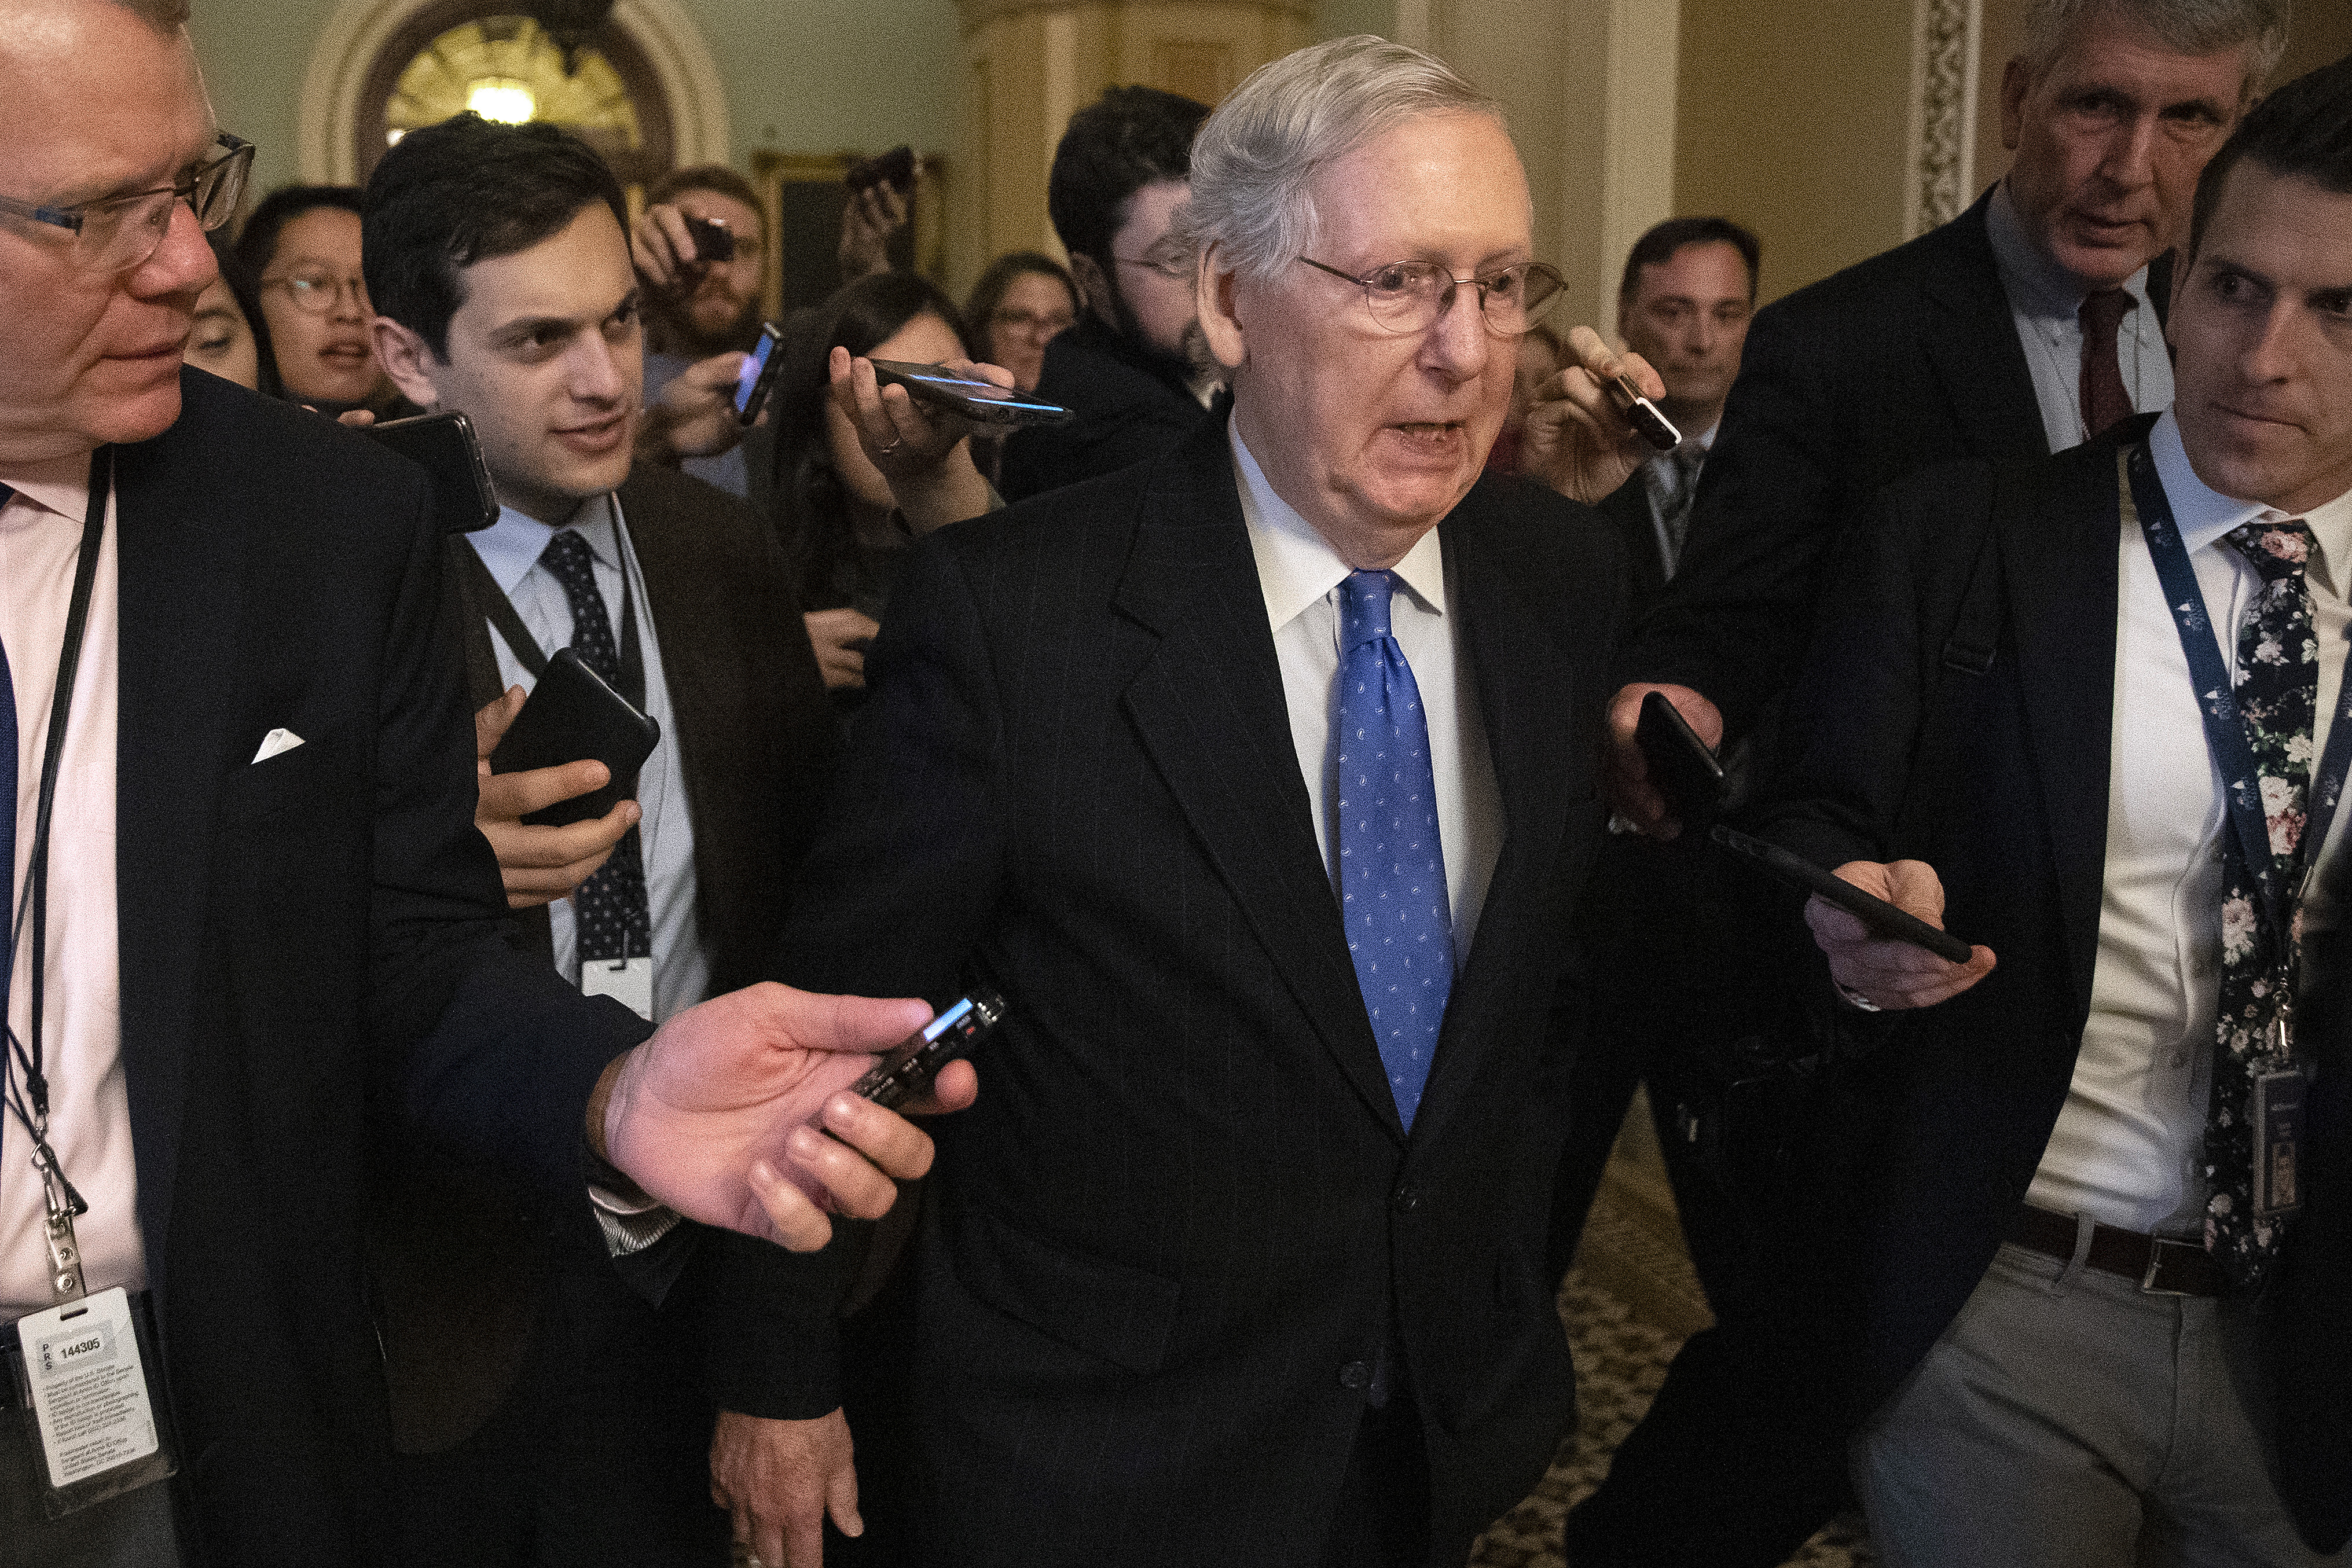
x=511, y=549
x=90, y=1107
x=2046, y=304
x=1300, y=573
x=2128, y=1148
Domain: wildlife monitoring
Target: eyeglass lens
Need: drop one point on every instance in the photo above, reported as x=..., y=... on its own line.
x=125, y=234
x=1407, y=297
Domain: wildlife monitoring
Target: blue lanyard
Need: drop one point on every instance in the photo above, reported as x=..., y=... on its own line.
x=2225, y=726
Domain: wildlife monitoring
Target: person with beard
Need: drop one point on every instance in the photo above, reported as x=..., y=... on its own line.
x=1136, y=364
x=700, y=312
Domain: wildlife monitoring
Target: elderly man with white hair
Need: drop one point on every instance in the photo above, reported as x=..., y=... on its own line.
x=1262, y=778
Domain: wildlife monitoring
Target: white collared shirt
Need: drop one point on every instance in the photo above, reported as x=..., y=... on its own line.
x=2128, y=1146
x=511, y=549
x=1299, y=573
x=2046, y=304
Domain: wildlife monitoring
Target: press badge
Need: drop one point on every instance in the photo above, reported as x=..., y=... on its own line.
x=2277, y=1117
x=629, y=981
x=92, y=1406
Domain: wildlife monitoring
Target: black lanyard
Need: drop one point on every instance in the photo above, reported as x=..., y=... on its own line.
x=30, y=1099
x=501, y=612
x=2225, y=727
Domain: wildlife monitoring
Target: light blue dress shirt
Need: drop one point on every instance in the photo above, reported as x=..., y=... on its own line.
x=2046, y=301
x=511, y=549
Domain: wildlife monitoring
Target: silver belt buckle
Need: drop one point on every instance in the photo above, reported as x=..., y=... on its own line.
x=2155, y=1254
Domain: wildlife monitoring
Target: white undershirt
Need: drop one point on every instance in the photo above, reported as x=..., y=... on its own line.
x=2128, y=1145
x=1300, y=573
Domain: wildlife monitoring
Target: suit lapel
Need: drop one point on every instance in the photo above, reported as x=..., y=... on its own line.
x=181, y=576
x=1529, y=689
x=2057, y=532
x=1971, y=337
x=1208, y=708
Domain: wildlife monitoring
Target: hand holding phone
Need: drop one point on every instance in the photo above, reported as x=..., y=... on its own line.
x=907, y=1070
x=758, y=377
x=1639, y=412
x=1883, y=919
x=981, y=401
x=1681, y=767
x=573, y=715
x=895, y=169
x=444, y=445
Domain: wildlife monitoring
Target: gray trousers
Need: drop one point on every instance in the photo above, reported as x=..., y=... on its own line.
x=133, y=1531
x=2066, y=1418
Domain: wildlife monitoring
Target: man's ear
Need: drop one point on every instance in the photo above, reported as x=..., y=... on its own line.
x=403, y=354
x=1213, y=289
x=2016, y=83
x=1094, y=290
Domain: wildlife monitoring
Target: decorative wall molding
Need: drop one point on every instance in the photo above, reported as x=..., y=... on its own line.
x=347, y=47
x=1947, y=38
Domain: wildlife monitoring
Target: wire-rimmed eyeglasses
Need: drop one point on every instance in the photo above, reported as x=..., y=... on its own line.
x=121, y=232
x=1412, y=295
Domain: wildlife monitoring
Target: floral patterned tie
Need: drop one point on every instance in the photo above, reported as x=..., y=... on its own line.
x=2277, y=688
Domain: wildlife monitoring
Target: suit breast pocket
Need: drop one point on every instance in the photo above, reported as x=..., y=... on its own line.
x=317, y=778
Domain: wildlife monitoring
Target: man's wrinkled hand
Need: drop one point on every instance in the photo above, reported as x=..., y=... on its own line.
x=1626, y=772
x=662, y=249
x=1575, y=440
x=539, y=864
x=717, y=1115
x=1880, y=971
x=778, y=1480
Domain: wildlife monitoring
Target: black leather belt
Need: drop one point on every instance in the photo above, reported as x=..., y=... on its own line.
x=2156, y=1264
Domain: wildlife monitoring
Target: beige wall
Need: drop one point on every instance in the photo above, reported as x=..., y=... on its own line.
x=1797, y=129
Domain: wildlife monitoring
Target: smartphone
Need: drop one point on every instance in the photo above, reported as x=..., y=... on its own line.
x=569, y=716
x=713, y=241
x=909, y=1068
x=894, y=168
x=984, y=403
x=1883, y=919
x=758, y=377
x=443, y=444
x=1681, y=766
x=1641, y=414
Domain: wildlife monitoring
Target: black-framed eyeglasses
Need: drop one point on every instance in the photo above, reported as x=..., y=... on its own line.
x=121, y=232
x=1414, y=296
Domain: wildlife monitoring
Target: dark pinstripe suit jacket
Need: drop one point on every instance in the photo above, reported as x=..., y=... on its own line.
x=1183, y=1220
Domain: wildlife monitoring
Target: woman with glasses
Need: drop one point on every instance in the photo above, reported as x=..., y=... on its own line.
x=1023, y=302
x=301, y=247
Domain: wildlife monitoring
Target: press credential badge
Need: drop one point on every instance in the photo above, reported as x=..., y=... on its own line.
x=88, y=1388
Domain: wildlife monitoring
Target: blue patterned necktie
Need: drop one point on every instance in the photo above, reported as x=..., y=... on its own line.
x=614, y=921
x=2277, y=687
x=1392, y=898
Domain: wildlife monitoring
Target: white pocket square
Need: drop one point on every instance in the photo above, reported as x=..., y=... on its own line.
x=276, y=741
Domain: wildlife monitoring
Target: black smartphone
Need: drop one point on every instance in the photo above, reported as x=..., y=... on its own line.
x=443, y=444
x=758, y=377
x=713, y=241
x=1882, y=917
x=894, y=168
x=984, y=403
x=1642, y=413
x=1681, y=766
x=908, y=1068
x=571, y=716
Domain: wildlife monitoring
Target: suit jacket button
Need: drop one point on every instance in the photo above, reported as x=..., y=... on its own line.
x=1355, y=1375
x=1405, y=1201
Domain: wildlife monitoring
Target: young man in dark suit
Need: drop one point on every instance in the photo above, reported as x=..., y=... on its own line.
x=591, y=1445
x=1244, y=1268
x=263, y=893
x=2089, y=1243
x=1133, y=365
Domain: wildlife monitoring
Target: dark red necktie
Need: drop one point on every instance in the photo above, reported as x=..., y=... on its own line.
x=2104, y=398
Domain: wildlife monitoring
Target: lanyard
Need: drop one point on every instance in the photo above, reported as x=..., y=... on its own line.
x=29, y=1099
x=501, y=612
x=2143, y=500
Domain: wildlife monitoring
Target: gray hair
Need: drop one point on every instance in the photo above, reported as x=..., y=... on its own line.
x=2184, y=27
x=1256, y=156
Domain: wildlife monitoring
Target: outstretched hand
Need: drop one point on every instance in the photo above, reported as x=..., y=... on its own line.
x=1575, y=440
x=920, y=448
x=717, y=1115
